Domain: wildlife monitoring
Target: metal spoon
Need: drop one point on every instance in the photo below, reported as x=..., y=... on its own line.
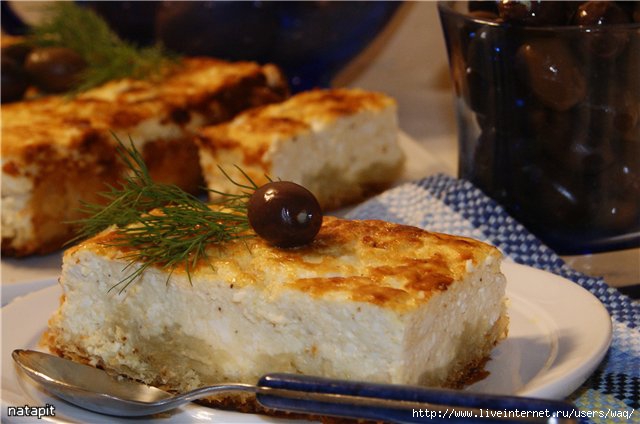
x=95, y=390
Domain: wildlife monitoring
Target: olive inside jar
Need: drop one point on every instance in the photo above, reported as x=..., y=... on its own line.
x=548, y=109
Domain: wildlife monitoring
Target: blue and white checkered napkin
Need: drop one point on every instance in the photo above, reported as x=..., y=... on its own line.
x=445, y=204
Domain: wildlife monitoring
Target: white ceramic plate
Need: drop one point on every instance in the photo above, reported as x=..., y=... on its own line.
x=558, y=335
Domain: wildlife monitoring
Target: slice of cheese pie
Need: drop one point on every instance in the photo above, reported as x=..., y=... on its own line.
x=366, y=300
x=341, y=144
x=59, y=151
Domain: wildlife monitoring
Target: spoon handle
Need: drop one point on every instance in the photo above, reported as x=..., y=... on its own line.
x=403, y=404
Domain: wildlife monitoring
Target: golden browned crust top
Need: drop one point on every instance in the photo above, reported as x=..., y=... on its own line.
x=390, y=265
x=194, y=85
x=256, y=129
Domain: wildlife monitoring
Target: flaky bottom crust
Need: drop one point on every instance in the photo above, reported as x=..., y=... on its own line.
x=469, y=369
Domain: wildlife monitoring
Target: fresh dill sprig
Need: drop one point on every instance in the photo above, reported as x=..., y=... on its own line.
x=160, y=224
x=107, y=56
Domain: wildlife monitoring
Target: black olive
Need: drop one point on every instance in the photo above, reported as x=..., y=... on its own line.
x=285, y=214
x=54, y=69
x=14, y=80
x=609, y=42
x=552, y=72
x=598, y=13
x=534, y=13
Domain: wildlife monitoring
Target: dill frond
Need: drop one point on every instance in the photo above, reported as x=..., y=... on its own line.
x=107, y=56
x=160, y=224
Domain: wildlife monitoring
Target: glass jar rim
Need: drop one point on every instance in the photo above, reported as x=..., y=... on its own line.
x=447, y=7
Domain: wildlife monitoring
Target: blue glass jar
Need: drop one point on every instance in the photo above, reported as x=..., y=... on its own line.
x=549, y=124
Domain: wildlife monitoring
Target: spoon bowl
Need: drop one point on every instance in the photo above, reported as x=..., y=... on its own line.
x=96, y=390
